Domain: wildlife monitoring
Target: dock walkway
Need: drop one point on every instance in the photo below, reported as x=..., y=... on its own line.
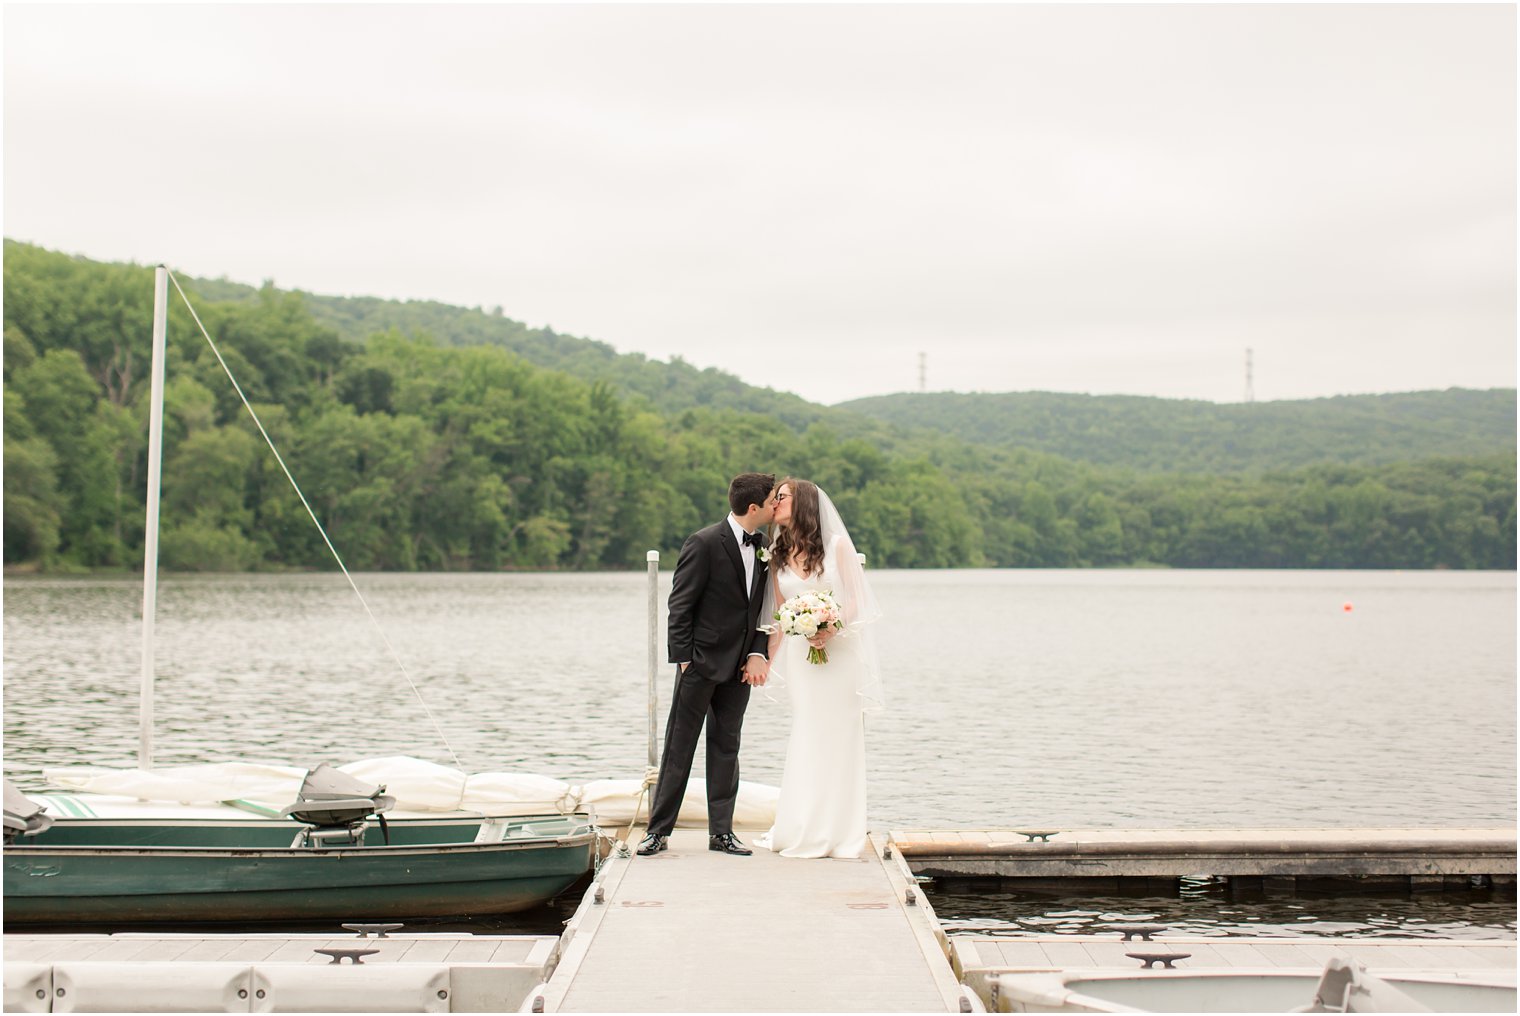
x=691, y=930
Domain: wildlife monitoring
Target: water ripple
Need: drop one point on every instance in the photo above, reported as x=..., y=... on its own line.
x=1063, y=699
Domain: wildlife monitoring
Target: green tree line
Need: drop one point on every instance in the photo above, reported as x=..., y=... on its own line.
x=422, y=455
x=666, y=387
x=1182, y=435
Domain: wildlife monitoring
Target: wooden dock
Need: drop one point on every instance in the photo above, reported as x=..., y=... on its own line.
x=690, y=930
x=435, y=972
x=980, y=960
x=1429, y=857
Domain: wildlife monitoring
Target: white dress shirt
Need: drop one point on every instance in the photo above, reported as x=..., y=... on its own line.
x=746, y=552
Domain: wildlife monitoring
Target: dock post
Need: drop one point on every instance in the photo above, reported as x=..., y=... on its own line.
x=150, y=533
x=653, y=558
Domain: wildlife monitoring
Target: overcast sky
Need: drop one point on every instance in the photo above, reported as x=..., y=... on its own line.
x=1106, y=199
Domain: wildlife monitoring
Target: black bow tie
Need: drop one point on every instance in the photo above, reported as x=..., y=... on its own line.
x=752, y=539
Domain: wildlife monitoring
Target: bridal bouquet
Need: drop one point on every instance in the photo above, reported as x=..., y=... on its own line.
x=807, y=614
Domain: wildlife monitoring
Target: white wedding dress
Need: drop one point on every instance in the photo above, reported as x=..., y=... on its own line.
x=822, y=808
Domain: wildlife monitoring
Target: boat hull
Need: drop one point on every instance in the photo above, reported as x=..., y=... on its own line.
x=1237, y=990
x=103, y=884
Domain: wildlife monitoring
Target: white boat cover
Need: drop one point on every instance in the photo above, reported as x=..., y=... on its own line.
x=417, y=785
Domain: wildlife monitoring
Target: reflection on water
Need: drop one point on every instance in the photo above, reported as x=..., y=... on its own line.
x=1207, y=908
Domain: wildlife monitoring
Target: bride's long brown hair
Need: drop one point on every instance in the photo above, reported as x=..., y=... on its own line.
x=803, y=535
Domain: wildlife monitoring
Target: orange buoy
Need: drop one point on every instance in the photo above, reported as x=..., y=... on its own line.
x=1347, y=607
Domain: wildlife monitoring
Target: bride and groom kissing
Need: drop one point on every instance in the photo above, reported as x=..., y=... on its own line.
x=729, y=582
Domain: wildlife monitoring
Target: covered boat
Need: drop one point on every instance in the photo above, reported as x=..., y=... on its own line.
x=333, y=854
x=385, y=837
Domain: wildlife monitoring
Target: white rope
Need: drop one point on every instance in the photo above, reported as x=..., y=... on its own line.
x=651, y=779
x=336, y=557
x=569, y=802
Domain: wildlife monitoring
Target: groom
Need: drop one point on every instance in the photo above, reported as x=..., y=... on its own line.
x=715, y=599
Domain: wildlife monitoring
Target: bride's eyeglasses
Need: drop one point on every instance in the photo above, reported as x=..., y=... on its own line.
x=777, y=499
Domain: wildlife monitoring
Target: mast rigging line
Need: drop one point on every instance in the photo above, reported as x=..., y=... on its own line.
x=317, y=522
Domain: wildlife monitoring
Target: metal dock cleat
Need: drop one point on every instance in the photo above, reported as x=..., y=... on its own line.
x=378, y=930
x=1129, y=932
x=354, y=955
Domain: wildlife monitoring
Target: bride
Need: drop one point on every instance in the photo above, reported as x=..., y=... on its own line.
x=822, y=809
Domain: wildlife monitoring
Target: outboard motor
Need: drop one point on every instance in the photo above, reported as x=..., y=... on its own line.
x=23, y=817
x=334, y=807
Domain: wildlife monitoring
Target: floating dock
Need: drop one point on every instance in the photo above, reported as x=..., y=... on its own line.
x=273, y=973
x=1428, y=858
x=691, y=930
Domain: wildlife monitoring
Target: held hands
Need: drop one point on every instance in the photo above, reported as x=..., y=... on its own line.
x=756, y=670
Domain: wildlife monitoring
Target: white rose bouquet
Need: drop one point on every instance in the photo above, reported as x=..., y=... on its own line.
x=807, y=614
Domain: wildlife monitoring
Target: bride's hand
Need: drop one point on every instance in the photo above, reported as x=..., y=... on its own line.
x=821, y=639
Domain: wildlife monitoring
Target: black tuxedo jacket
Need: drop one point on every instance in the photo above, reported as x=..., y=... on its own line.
x=714, y=619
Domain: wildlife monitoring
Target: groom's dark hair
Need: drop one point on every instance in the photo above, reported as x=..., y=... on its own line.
x=750, y=488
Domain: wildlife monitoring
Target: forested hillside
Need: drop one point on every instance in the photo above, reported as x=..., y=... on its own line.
x=667, y=387
x=1174, y=435
x=422, y=449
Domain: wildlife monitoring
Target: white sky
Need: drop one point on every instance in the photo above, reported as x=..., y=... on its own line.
x=1071, y=198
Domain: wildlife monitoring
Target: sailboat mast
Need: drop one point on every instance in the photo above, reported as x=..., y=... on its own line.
x=150, y=542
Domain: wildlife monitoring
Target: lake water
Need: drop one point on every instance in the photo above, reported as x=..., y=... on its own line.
x=1059, y=699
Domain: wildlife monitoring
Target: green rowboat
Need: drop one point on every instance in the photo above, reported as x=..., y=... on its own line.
x=94, y=870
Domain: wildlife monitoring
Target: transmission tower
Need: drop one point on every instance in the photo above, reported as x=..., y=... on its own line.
x=1250, y=382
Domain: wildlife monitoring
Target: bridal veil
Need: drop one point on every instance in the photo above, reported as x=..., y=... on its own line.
x=843, y=567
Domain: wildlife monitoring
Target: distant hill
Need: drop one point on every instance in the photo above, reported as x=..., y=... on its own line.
x=1170, y=435
x=666, y=387
x=1145, y=434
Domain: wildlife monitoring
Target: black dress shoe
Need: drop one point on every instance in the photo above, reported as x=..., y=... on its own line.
x=653, y=844
x=729, y=844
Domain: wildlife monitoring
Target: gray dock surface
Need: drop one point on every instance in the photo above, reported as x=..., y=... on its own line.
x=160, y=972
x=1010, y=853
x=691, y=930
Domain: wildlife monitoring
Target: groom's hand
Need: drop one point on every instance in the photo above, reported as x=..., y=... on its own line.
x=756, y=668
